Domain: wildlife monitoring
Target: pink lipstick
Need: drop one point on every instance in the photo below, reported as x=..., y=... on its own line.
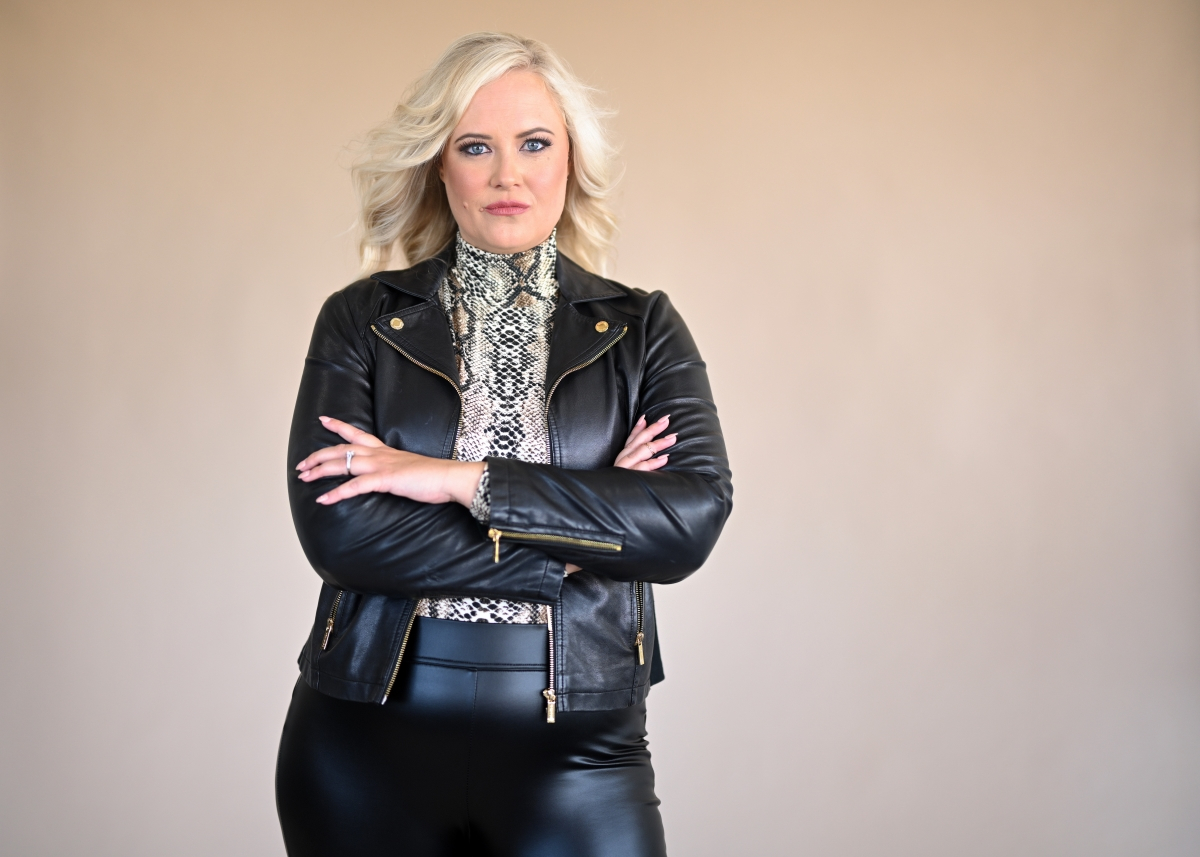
x=506, y=208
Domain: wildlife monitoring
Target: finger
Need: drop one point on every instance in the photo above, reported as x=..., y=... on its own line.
x=350, y=433
x=332, y=460
x=332, y=453
x=356, y=486
x=651, y=464
x=326, y=453
x=642, y=452
x=648, y=433
x=633, y=455
x=640, y=439
x=359, y=465
x=637, y=427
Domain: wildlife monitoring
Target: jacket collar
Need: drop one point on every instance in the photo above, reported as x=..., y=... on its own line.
x=421, y=280
x=422, y=333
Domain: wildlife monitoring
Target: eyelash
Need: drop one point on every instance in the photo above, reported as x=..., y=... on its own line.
x=545, y=144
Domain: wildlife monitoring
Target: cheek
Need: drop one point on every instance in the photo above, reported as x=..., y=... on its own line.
x=552, y=179
x=461, y=181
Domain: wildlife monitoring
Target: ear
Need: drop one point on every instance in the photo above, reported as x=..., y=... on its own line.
x=441, y=169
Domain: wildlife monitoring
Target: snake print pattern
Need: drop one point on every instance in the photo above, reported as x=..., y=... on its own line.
x=500, y=309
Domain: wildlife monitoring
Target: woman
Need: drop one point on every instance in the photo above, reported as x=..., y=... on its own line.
x=482, y=483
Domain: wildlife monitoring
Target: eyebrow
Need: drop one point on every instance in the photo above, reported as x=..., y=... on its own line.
x=538, y=130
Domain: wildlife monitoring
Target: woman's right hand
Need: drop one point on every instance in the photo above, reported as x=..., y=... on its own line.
x=641, y=452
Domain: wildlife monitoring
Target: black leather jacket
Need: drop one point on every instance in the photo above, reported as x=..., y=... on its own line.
x=382, y=358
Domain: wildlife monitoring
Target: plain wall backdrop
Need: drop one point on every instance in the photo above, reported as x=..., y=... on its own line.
x=943, y=260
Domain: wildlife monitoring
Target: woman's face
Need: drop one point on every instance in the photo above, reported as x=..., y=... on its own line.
x=505, y=167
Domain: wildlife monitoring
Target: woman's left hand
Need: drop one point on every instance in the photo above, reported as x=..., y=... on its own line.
x=643, y=445
x=377, y=467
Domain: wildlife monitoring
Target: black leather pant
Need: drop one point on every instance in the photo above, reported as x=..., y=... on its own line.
x=461, y=761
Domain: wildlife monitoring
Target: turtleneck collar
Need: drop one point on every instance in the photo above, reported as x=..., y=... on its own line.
x=504, y=277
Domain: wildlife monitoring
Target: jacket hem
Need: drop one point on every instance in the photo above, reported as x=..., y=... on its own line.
x=605, y=700
x=340, y=688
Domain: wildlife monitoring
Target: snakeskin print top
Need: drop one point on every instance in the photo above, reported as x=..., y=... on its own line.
x=500, y=309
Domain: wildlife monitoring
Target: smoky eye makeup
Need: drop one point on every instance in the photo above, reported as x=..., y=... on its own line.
x=473, y=147
x=477, y=147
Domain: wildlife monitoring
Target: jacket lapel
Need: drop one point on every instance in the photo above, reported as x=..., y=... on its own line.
x=577, y=338
x=420, y=331
x=421, y=334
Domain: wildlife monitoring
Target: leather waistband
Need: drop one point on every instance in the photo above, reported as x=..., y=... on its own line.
x=479, y=645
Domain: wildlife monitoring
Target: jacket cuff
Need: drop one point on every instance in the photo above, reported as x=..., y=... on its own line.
x=481, y=505
x=552, y=581
x=496, y=477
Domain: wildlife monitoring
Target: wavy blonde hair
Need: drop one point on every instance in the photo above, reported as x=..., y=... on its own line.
x=402, y=202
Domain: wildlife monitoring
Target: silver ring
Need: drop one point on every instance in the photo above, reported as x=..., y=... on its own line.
x=349, y=458
x=649, y=447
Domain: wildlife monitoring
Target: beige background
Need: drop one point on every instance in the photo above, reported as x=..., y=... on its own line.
x=943, y=259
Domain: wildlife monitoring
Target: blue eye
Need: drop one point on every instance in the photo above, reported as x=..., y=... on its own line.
x=535, y=144
x=473, y=149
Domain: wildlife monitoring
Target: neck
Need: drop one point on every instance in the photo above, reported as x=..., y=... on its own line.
x=549, y=244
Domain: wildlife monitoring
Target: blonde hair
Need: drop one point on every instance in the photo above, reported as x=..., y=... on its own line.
x=402, y=203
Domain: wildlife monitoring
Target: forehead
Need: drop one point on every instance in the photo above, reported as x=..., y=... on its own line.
x=515, y=101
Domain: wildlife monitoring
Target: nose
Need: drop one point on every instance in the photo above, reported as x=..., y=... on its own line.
x=504, y=170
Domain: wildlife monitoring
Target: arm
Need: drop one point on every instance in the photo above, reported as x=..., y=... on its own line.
x=666, y=522
x=379, y=542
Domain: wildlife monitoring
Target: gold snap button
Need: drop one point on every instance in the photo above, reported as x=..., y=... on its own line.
x=396, y=323
x=601, y=326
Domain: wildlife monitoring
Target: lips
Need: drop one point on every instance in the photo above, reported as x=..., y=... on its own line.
x=507, y=208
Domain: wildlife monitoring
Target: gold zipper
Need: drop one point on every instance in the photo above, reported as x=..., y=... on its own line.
x=551, y=696
x=332, y=616
x=400, y=657
x=640, y=596
x=495, y=535
x=453, y=383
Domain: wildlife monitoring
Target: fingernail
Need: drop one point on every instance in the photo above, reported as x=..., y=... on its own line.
x=323, y=419
x=321, y=499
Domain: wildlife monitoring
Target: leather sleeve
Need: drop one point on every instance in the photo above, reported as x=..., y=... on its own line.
x=666, y=521
x=380, y=543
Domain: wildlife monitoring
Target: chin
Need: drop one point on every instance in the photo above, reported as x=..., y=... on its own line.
x=513, y=239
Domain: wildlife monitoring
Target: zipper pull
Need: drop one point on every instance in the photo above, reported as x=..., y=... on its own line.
x=328, y=631
x=551, y=704
x=641, y=652
x=495, y=535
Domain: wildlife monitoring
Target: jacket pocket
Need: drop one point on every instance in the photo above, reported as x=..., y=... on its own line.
x=336, y=613
x=610, y=545
x=329, y=623
x=639, y=628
